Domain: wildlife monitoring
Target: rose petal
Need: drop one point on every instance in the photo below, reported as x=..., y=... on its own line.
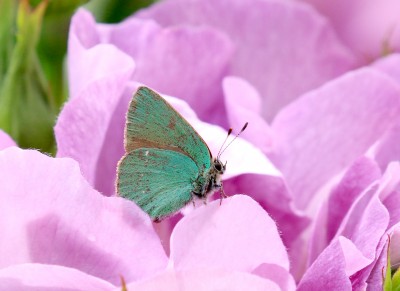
x=370, y=28
x=276, y=274
x=227, y=236
x=5, y=140
x=49, y=214
x=375, y=279
x=371, y=276
x=243, y=104
x=98, y=76
x=83, y=29
x=82, y=126
x=48, y=277
x=392, y=204
x=102, y=63
x=390, y=180
x=89, y=61
x=332, y=269
x=178, y=55
x=372, y=243
x=324, y=131
x=271, y=192
x=388, y=148
x=204, y=280
x=264, y=43
x=318, y=238
x=389, y=65
x=185, y=55
x=366, y=222
x=358, y=177
x=131, y=35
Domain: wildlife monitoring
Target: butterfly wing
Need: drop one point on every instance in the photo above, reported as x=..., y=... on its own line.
x=153, y=123
x=158, y=180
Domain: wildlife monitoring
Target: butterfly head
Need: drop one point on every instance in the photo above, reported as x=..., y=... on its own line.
x=218, y=166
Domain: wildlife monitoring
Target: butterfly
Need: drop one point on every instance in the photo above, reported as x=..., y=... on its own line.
x=166, y=163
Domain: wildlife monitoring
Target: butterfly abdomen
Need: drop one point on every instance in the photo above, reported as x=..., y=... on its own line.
x=207, y=183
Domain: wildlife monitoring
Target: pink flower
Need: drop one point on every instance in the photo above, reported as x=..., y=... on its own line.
x=370, y=28
x=335, y=127
x=353, y=228
x=60, y=233
x=320, y=154
x=198, y=64
x=269, y=44
x=90, y=127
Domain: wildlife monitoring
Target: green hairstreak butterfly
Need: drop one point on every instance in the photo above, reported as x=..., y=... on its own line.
x=166, y=163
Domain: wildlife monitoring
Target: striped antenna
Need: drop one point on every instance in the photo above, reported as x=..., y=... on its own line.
x=229, y=132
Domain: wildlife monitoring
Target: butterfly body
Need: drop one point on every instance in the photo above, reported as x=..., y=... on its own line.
x=209, y=181
x=166, y=164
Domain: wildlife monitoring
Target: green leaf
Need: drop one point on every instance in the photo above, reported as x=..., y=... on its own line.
x=113, y=11
x=27, y=109
x=387, y=282
x=396, y=281
x=8, y=10
x=53, y=44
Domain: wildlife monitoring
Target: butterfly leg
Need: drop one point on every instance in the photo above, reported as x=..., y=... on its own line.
x=197, y=196
x=222, y=194
x=205, y=200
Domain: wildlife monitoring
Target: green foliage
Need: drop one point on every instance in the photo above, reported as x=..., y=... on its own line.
x=8, y=9
x=396, y=281
x=32, y=88
x=390, y=282
x=53, y=44
x=27, y=111
x=113, y=11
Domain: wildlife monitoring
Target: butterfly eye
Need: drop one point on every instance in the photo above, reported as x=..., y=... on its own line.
x=218, y=167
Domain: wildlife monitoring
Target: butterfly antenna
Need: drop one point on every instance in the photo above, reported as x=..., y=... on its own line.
x=229, y=133
x=243, y=128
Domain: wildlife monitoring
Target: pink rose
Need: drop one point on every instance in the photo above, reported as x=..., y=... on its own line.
x=318, y=164
x=59, y=232
x=369, y=28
